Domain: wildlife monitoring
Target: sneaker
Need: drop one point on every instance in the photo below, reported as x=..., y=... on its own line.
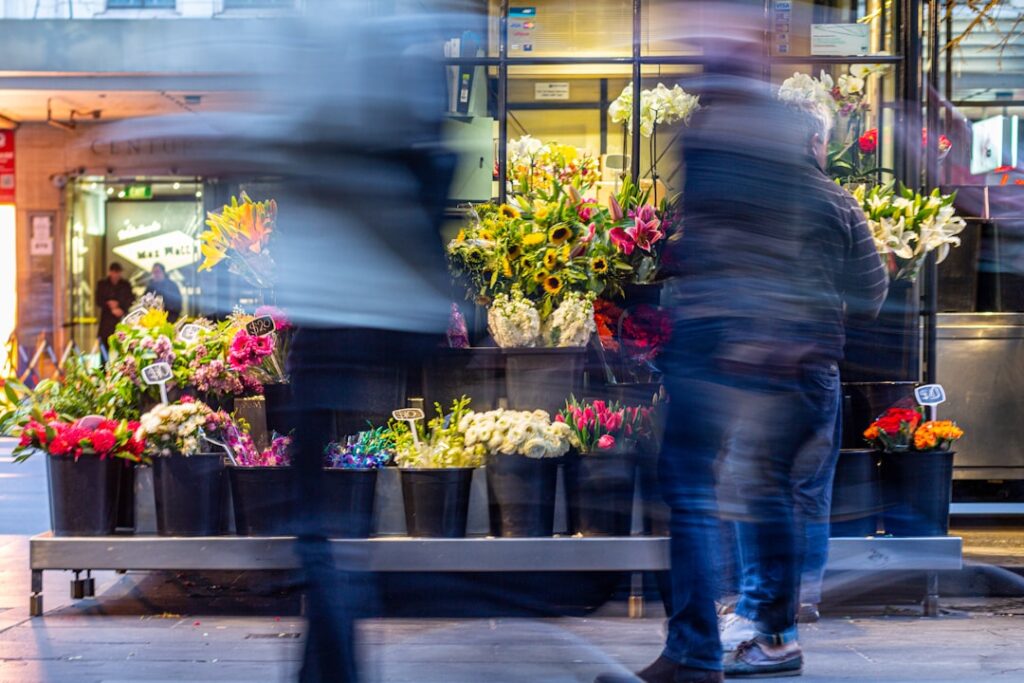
x=753, y=659
x=735, y=630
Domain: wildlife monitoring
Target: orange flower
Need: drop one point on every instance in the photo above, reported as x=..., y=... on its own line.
x=925, y=439
x=871, y=433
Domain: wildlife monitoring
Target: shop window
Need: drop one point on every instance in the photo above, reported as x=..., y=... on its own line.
x=141, y=4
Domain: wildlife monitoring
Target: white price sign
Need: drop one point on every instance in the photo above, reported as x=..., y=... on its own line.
x=158, y=373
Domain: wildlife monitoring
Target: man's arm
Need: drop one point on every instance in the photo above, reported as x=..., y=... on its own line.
x=865, y=280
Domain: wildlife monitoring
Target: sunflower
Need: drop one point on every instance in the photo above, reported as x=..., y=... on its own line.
x=540, y=276
x=550, y=259
x=559, y=234
x=533, y=239
x=514, y=251
x=508, y=211
x=552, y=284
x=486, y=235
x=599, y=264
x=461, y=237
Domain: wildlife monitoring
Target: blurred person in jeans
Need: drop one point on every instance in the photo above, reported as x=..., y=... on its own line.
x=770, y=252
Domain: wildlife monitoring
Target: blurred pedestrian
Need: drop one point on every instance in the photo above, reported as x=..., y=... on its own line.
x=770, y=250
x=161, y=285
x=113, y=298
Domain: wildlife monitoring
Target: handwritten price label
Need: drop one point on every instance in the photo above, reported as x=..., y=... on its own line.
x=407, y=414
x=190, y=332
x=157, y=373
x=261, y=327
x=134, y=316
x=930, y=394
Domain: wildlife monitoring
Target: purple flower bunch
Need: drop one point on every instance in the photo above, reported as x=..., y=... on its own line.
x=368, y=450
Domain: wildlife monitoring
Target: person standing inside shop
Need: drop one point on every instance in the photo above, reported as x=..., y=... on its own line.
x=770, y=251
x=113, y=298
x=166, y=289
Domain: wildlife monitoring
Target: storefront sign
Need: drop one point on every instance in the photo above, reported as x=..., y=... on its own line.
x=138, y=192
x=261, y=327
x=41, y=241
x=173, y=249
x=551, y=91
x=840, y=39
x=6, y=166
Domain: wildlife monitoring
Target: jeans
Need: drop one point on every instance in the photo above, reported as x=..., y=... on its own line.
x=729, y=453
x=813, y=469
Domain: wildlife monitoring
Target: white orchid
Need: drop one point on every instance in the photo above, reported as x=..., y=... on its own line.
x=659, y=106
x=526, y=147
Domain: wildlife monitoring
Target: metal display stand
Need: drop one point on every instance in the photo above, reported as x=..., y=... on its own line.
x=475, y=554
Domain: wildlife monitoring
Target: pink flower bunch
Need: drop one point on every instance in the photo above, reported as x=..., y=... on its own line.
x=215, y=378
x=248, y=350
x=595, y=425
x=161, y=346
x=644, y=233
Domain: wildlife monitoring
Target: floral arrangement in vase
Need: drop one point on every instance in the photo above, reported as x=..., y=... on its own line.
x=142, y=342
x=240, y=233
x=515, y=432
x=907, y=226
x=536, y=168
x=903, y=429
x=180, y=428
x=369, y=450
x=437, y=444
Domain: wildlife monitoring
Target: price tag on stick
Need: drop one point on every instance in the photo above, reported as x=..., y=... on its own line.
x=410, y=415
x=189, y=333
x=159, y=374
x=930, y=395
x=135, y=316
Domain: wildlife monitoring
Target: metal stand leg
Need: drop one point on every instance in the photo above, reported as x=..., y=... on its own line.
x=930, y=604
x=89, y=585
x=77, y=587
x=35, y=600
x=636, y=596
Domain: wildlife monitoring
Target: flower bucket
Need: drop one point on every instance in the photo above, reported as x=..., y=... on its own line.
x=436, y=501
x=263, y=500
x=916, y=492
x=856, y=494
x=599, y=492
x=348, y=509
x=189, y=491
x=451, y=373
x=543, y=378
x=521, y=495
x=83, y=494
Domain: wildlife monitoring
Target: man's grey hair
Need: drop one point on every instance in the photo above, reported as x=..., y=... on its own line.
x=815, y=117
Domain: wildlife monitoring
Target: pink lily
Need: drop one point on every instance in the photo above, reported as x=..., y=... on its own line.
x=591, y=230
x=622, y=239
x=585, y=212
x=645, y=233
x=645, y=213
x=615, y=208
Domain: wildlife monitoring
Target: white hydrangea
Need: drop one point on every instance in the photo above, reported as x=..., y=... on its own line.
x=513, y=322
x=516, y=432
x=571, y=324
x=173, y=428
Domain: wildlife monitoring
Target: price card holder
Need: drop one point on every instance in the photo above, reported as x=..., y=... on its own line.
x=135, y=315
x=410, y=415
x=261, y=327
x=159, y=374
x=930, y=395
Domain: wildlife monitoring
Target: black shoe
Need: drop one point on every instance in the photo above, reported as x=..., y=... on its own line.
x=749, y=660
x=808, y=613
x=664, y=670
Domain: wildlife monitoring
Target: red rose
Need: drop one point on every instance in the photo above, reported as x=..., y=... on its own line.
x=869, y=141
x=103, y=441
x=889, y=425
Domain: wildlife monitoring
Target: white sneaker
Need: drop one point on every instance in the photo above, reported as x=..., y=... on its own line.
x=734, y=630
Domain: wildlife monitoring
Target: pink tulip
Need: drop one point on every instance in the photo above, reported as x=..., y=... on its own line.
x=606, y=442
x=559, y=418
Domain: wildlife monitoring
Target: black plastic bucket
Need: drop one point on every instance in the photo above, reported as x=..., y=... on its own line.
x=263, y=500
x=916, y=492
x=521, y=495
x=436, y=501
x=856, y=494
x=189, y=491
x=348, y=509
x=599, y=491
x=84, y=494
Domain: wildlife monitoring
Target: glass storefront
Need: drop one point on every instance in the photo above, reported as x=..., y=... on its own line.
x=136, y=223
